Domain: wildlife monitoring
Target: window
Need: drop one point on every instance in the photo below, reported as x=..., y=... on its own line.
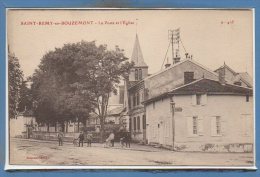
x=130, y=124
x=137, y=98
x=195, y=125
x=198, y=99
x=134, y=123
x=247, y=98
x=218, y=125
x=136, y=74
x=144, y=122
x=247, y=125
x=129, y=102
x=134, y=100
x=140, y=74
x=138, y=123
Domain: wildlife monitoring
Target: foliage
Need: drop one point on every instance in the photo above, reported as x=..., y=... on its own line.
x=15, y=79
x=75, y=80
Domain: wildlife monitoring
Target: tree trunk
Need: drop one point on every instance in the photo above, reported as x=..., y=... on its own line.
x=78, y=126
x=48, y=127
x=102, y=130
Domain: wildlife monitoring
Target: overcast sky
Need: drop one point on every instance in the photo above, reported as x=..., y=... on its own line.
x=206, y=34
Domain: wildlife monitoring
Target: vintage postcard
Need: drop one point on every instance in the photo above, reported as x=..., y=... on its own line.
x=130, y=89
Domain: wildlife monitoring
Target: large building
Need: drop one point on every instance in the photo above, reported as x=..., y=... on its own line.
x=188, y=107
x=135, y=95
x=198, y=110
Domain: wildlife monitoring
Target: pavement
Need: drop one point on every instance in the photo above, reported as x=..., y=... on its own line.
x=38, y=152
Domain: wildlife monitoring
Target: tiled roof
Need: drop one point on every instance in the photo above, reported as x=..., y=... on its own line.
x=115, y=111
x=246, y=77
x=212, y=87
x=208, y=86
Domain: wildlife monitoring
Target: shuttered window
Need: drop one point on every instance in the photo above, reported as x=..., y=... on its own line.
x=144, y=122
x=217, y=126
x=199, y=99
x=134, y=123
x=195, y=126
x=138, y=123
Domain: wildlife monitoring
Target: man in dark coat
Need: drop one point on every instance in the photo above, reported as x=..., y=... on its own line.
x=127, y=139
x=60, y=138
x=81, y=139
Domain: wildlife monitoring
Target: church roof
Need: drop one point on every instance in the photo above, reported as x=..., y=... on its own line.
x=137, y=55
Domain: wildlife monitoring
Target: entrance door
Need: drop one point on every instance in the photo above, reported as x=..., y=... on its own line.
x=160, y=133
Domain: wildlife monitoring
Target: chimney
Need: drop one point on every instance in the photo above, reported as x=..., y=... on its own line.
x=221, y=76
x=188, y=77
x=176, y=59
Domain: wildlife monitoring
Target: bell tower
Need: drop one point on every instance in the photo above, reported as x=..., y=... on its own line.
x=140, y=69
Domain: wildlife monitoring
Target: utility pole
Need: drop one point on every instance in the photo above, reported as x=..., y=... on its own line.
x=172, y=103
x=174, y=37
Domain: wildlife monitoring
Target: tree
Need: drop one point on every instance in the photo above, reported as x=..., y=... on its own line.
x=75, y=80
x=15, y=81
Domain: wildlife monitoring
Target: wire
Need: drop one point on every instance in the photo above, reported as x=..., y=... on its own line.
x=183, y=46
x=166, y=54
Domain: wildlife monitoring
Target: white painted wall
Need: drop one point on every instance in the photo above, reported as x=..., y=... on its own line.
x=232, y=109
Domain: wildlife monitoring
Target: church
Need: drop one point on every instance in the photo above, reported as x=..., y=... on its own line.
x=188, y=107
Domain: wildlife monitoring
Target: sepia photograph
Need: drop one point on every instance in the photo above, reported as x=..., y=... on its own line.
x=130, y=88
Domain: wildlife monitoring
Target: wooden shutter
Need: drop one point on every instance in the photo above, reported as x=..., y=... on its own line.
x=193, y=100
x=223, y=126
x=200, y=125
x=204, y=99
x=213, y=126
x=189, y=126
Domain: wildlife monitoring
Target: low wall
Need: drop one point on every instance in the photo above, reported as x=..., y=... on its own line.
x=68, y=137
x=214, y=147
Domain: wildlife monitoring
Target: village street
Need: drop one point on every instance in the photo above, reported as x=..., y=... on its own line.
x=49, y=153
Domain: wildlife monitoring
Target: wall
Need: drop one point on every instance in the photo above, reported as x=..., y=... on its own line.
x=18, y=126
x=174, y=76
x=233, y=126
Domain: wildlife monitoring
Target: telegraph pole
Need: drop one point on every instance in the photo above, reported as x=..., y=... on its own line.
x=174, y=37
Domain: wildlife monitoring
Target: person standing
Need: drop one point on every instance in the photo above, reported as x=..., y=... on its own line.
x=81, y=139
x=89, y=139
x=60, y=138
x=128, y=139
x=112, y=138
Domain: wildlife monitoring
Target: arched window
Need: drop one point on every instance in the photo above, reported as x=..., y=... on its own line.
x=140, y=74
x=134, y=123
x=136, y=74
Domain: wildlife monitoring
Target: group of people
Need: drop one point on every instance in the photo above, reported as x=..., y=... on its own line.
x=78, y=140
x=125, y=139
